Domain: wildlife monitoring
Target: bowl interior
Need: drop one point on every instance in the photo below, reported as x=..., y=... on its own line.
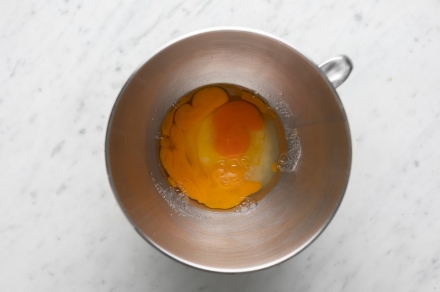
x=300, y=205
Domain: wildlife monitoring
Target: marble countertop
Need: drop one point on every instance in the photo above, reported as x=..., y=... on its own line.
x=62, y=64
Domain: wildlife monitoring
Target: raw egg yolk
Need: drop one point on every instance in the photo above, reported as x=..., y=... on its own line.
x=203, y=103
x=232, y=123
x=205, y=145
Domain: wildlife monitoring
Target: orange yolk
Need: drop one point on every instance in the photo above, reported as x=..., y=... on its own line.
x=232, y=123
x=220, y=182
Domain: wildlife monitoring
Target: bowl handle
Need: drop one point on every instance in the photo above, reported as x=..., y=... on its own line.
x=337, y=69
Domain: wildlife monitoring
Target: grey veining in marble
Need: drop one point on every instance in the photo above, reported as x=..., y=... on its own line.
x=62, y=64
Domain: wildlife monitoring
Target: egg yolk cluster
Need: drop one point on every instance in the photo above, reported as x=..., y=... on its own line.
x=209, y=145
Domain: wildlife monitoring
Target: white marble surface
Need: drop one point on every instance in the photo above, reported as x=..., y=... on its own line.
x=62, y=64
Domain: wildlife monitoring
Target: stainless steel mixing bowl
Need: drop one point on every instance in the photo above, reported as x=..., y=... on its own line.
x=299, y=206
